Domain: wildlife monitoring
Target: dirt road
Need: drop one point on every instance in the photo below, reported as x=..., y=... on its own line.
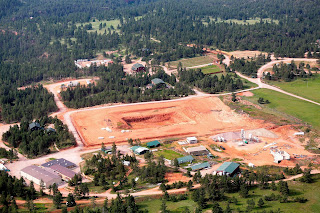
x=267, y=86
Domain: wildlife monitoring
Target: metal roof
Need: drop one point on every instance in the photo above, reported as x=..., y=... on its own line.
x=135, y=66
x=141, y=149
x=200, y=166
x=61, y=162
x=63, y=170
x=185, y=159
x=228, y=167
x=197, y=148
x=46, y=175
x=34, y=124
x=157, y=81
x=134, y=148
x=153, y=143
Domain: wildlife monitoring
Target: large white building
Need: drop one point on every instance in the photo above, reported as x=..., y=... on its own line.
x=36, y=174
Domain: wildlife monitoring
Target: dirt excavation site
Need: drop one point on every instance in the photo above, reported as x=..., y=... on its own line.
x=203, y=117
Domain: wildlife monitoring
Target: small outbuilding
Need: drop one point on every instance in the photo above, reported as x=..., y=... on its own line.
x=107, y=149
x=153, y=144
x=228, y=169
x=34, y=126
x=139, y=150
x=138, y=68
x=192, y=140
x=185, y=159
x=200, y=166
x=3, y=168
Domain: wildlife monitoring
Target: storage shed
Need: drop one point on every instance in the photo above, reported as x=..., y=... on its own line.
x=200, y=166
x=138, y=68
x=228, y=168
x=153, y=144
x=185, y=159
x=192, y=140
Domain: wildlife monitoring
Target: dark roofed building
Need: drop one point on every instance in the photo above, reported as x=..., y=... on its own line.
x=157, y=81
x=62, y=162
x=34, y=126
x=63, y=171
x=50, y=130
x=153, y=144
x=138, y=68
x=228, y=168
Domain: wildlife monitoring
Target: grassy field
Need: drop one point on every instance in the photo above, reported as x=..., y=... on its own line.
x=210, y=69
x=297, y=189
x=191, y=62
x=168, y=154
x=307, y=88
x=237, y=21
x=300, y=109
x=96, y=23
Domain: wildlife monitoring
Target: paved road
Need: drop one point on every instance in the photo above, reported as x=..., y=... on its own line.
x=267, y=86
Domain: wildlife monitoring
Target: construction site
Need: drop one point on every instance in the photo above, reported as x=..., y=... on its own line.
x=220, y=130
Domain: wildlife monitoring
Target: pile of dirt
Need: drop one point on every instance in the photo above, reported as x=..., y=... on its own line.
x=149, y=118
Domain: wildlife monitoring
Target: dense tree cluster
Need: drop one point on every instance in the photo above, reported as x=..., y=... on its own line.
x=210, y=83
x=41, y=39
x=10, y=188
x=38, y=141
x=289, y=72
x=114, y=86
x=249, y=67
x=10, y=154
x=107, y=169
x=25, y=104
x=155, y=170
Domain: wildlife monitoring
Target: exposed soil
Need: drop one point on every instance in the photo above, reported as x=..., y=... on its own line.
x=246, y=94
x=190, y=117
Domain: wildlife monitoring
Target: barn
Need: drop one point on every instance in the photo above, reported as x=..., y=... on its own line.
x=228, y=168
x=138, y=68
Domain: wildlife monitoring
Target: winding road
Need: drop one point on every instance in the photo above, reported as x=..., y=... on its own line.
x=267, y=86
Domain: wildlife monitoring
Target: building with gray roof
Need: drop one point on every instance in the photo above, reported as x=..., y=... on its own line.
x=62, y=162
x=63, y=171
x=37, y=174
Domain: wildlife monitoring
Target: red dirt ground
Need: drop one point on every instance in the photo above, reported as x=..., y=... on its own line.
x=247, y=94
x=195, y=116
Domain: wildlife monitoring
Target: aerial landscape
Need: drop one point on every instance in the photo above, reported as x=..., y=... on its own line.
x=167, y=106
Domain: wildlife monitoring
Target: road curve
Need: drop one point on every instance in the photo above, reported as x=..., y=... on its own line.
x=267, y=86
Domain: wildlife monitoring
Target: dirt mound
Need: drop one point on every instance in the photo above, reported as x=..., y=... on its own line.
x=149, y=118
